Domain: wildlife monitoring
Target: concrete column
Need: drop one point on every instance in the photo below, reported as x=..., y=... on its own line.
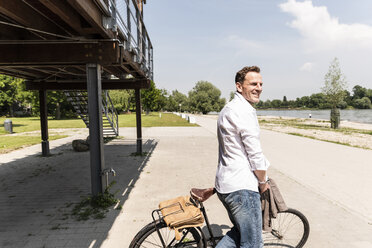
x=97, y=160
x=44, y=123
x=138, y=121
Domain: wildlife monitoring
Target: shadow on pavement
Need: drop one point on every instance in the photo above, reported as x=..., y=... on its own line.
x=218, y=230
x=39, y=193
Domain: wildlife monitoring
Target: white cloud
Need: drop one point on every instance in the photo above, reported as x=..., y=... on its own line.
x=308, y=66
x=321, y=31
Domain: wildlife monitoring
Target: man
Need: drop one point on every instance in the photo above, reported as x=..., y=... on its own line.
x=241, y=171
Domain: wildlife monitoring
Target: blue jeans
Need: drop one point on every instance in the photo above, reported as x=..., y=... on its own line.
x=244, y=209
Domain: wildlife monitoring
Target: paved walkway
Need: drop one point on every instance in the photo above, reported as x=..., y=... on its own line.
x=340, y=173
x=330, y=183
x=38, y=193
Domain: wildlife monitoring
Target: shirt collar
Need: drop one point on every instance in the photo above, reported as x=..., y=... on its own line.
x=244, y=101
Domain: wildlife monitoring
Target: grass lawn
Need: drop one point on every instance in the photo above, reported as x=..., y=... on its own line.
x=154, y=120
x=10, y=143
x=28, y=124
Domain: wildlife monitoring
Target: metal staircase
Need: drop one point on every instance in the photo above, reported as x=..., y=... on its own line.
x=110, y=122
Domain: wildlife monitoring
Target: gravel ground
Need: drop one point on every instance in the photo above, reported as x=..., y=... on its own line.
x=349, y=136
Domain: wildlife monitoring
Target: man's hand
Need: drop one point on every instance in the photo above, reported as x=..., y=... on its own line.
x=263, y=187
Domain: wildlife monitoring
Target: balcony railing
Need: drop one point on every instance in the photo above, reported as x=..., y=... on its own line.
x=125, y=17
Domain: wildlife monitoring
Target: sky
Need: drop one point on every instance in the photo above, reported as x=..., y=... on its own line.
x=292, y=41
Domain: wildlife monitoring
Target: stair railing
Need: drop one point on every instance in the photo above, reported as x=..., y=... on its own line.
x=79, y=100
x=110, y=112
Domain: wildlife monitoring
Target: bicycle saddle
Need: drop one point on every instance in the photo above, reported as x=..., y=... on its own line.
x=202, y=195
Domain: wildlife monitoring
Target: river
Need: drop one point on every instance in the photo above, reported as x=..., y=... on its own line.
x=354, y=115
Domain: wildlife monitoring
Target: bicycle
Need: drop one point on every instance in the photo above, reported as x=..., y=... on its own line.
x=289, y=229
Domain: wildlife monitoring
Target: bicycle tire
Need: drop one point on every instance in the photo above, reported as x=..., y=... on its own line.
x=289, y=229
x=149, y=237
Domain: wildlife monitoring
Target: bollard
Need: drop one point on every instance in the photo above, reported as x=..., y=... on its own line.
x=192, y=120
x=8, y=126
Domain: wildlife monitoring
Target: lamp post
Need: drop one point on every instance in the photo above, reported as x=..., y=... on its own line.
x=180, y=106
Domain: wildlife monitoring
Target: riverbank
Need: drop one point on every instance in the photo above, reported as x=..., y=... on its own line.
x=350, y=133
x=352, y=115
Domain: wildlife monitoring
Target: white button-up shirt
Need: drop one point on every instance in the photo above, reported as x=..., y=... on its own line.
x=240, y=150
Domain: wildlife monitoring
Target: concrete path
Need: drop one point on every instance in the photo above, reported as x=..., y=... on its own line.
x=330, y=183
x=340, y=173
x=38, y=194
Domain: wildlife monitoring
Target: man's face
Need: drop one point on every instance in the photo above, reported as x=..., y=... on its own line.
x=251, y=87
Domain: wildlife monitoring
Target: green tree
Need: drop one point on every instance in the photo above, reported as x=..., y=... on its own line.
x=14, y=97
x=318, y=100
x=232, y=95
x=177, y=102
x=291, y=104
x=363, y=103
x=182, y=101
x=267, y=104
x=285, y=102
x=205, y=98
x=342, y=105
x=259, y=105
x=121, y=99
x=348, y=98
x=334, y=89
x=9, y=87
x=303, y=102
x=276, y=103
x=369, y=94
x=58, y=106
x=334, y=84
x=359, y=92
x=150, y=97
x=162, y=100
x=170, y=104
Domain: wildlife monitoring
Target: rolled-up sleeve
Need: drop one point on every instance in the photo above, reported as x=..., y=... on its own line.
x=249, y=131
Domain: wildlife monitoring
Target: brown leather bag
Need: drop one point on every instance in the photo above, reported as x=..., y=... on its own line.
x=180, y=213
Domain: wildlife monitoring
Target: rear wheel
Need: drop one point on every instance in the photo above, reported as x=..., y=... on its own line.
x=289, y=229
x=149, y=237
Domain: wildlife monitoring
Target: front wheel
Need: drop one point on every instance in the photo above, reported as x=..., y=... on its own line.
x=289, y=229
x=149, y=237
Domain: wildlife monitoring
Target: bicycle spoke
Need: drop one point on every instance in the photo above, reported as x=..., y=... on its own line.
x=151, y=244
x=288, y=230
x=149, y=237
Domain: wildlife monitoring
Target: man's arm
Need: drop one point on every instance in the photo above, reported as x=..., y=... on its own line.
x=249, y=132
x=250, y=136
x=261, y=176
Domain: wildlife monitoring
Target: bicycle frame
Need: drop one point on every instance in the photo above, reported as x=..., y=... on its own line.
x=213, y=239
x=157, y=230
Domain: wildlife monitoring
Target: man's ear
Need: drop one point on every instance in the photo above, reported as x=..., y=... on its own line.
x=239, y=87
